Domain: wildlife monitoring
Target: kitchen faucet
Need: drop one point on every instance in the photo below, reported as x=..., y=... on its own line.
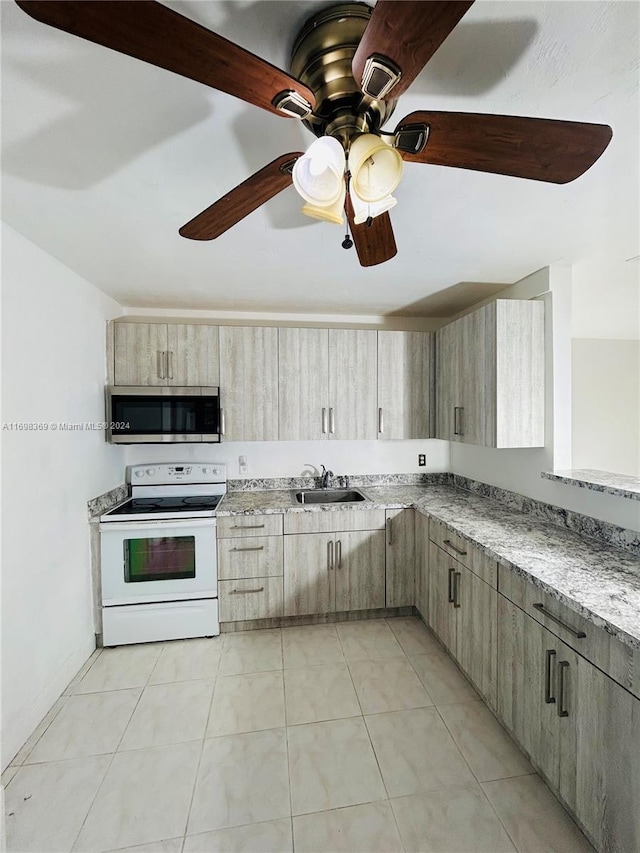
x=326, y=477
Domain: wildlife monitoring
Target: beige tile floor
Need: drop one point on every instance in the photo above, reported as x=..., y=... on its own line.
x=361, y=737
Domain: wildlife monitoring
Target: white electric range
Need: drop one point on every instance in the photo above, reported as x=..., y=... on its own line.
x=158, y=555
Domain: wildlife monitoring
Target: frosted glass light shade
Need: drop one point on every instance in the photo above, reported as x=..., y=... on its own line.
x=318, y=175
x=375, y=166
x=328, y=213
x=362, y=210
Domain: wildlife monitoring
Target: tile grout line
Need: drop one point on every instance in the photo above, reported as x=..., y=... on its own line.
x=115, y=752
x=286, y=742
x=204, y=739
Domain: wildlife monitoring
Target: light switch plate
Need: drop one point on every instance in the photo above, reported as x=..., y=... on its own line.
x=243, y=465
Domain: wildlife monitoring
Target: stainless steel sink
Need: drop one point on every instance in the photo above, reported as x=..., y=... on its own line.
x=329, y=496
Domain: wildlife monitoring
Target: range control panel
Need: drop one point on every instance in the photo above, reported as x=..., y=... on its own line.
x=160, y=474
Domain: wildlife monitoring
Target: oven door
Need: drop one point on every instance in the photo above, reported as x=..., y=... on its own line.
x=158, y=561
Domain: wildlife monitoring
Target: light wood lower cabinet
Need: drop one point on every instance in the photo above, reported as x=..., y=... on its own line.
x=463, y=613
x=442, y=614
x=580, y=728
x=400, y=553
x=422, y=564
x=250, y=598
x=250, y=582
x=607, y=797
x=327, y=572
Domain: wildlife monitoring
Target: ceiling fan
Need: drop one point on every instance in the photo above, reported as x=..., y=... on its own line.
x=350, y=63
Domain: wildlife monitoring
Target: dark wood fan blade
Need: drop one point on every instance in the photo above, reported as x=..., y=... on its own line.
x=242, y=200
x=408, y=32
x=374, y=243
x=156, y=34
x=536, y=148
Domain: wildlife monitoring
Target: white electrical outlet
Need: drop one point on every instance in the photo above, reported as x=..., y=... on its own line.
x=243, y=465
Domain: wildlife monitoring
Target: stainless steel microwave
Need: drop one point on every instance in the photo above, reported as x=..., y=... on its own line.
x=161, y=415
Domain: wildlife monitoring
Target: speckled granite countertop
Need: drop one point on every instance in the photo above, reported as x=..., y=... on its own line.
x=622, y=485
x=592, y=578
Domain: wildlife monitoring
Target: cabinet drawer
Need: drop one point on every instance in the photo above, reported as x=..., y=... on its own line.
x=249, y=525
x=464, y=552
x=250, y=557
x=334, y=521
x=619, y=661
x=251, y=598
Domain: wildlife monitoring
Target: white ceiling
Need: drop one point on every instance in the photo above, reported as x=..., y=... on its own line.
x=105, y=157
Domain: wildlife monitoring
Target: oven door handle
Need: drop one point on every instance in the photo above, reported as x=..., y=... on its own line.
x=133, y=526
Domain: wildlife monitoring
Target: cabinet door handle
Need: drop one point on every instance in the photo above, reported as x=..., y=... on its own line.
x=579, y=635
x=246, y=526
x=245, y=591
x=380, y=421
x=160, y=364
x=455, y=420
x=548, y=696
x=450, y=595
x=456, y=589
x=329, y=555
x=169, y=356
x=563, y=667
x=339, y=553
x=332, y=421
x=256, y=548
x=450, y=544
x=390, y=531
x=324, y=421
x=223, y=422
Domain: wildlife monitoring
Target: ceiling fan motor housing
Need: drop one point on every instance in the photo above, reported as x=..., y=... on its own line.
x=321, y=59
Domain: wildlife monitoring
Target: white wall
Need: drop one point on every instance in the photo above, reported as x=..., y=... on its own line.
x=294, y=458
x=519, y=470
x=606, y=405
x=53, y=369
x=606, y=365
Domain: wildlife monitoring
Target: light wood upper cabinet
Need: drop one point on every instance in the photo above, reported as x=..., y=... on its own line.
x=160, y=354
x=249, y=383
x=405, y=383
x=193, y=354
x=139, y=353
x=303, y=379
x=352, y=384
x=400, y=551
x=327, y=383
x=490, y=376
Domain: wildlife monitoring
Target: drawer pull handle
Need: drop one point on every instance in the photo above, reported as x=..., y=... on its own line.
x=246, y=526
x=453, y=547
x=456, y=589
x=451, y=596
x=563, y=667
x=579, y=635
x=257, y=548
x=245, y=591
x=548, y=697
